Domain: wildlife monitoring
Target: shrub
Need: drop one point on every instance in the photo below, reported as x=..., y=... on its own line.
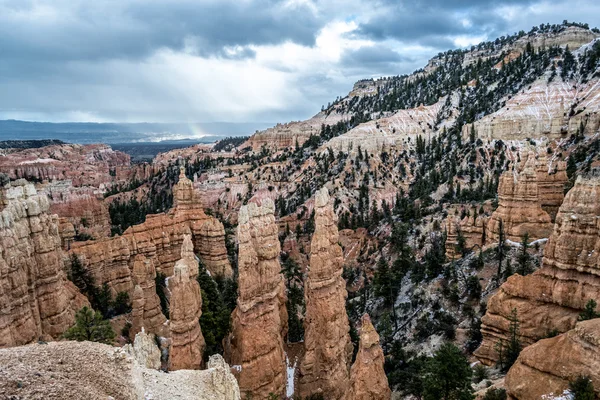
x=582, y=388
x=495, y=394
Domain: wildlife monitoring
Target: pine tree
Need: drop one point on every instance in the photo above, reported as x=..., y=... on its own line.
x=590, y=311
x=524, y=259
x=90, y=326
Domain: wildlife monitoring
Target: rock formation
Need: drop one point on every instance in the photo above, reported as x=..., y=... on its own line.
x=552, y=297
x=551, y=181
x=367, y=377
x=37, y=299
x=544, y=110
x=473, y=229
x=324, y=367
x=81, y=206
x=82, y=164
x=544, y=369
x=519, y=206
x=89, y=370
x=158, y=241
x=144, y=350
x=185, y=309
x=146, y=312
x=259, y=321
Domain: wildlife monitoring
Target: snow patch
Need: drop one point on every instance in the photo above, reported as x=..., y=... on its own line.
x=291, y=372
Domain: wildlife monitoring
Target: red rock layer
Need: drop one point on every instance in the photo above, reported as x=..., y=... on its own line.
x=185, y=309
x=146, y=312
x=519, y=206
x=367, y=377
x=159, y=239
x=551, y=180
x=324, y=367
x=37, y=299
x=259, y=322
x=544, y=370
x=552, y=297
x=82, y=164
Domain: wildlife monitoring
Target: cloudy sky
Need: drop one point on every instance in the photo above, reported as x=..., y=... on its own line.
x=231, y=60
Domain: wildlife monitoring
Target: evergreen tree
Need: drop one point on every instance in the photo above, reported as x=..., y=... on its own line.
x=500, y=250
x=524, y=259
x=582, y=388
x=448, y=375
x=90, y=326
x=590, y=311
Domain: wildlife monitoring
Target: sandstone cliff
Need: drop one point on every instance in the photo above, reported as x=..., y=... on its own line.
x=519, y=206
x=159, y=241
x=473, y=229
x=259, y=322
x=185, y=309
x=324, y=367
x=367, y=377
x=37, y=299
x=552, y=297
x=544, y=369
x=82, y=164
x=88, y=370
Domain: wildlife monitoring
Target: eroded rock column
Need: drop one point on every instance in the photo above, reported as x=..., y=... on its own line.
x=255, y=345
x=328, y=350
x=367, y=377
x=187, y=342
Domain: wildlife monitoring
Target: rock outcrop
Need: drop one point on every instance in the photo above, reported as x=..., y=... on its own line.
x=519, y=206
x=37, y=299
x=259, y=321
x=544, y=369
x=552, y=297
x=82, y=206
x=185, y=309
x=367, y=377
x=144, y=350
x=158, y=241
x=551, y=181
x=328, y=350
x=88, y=370
x=82, y=164
x=473, y=229
x=146, y=312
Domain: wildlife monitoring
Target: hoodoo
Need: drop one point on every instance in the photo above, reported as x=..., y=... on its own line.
x=187, y=342
x=259, y=322
x=324, y=367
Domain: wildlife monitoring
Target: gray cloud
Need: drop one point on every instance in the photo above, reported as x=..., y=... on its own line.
x=204, y=60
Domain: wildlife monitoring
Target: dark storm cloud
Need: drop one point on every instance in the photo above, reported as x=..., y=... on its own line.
x=96, y=30
x=436, y=23
x=174, y=60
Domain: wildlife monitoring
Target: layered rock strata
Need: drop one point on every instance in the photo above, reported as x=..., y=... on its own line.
x=544, y=369
x=367, y=377
x=328, y=350
x=37, y=299
x=551, y=181
x=159, y=240
x=552, y=297
x=259, y=321
x=473, y=230
x=185, y=309
x=519, y=206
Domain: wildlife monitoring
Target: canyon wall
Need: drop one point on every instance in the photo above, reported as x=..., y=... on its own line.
x=185, y=308
x=146, y=313
x=259, y=321
x=37, y=299
x=328, y=350
x=544, y=369
x=552, y=297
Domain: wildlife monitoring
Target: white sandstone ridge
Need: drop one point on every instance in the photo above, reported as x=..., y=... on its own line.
x=556, y=109
x=88, y=370
x=396, y=130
